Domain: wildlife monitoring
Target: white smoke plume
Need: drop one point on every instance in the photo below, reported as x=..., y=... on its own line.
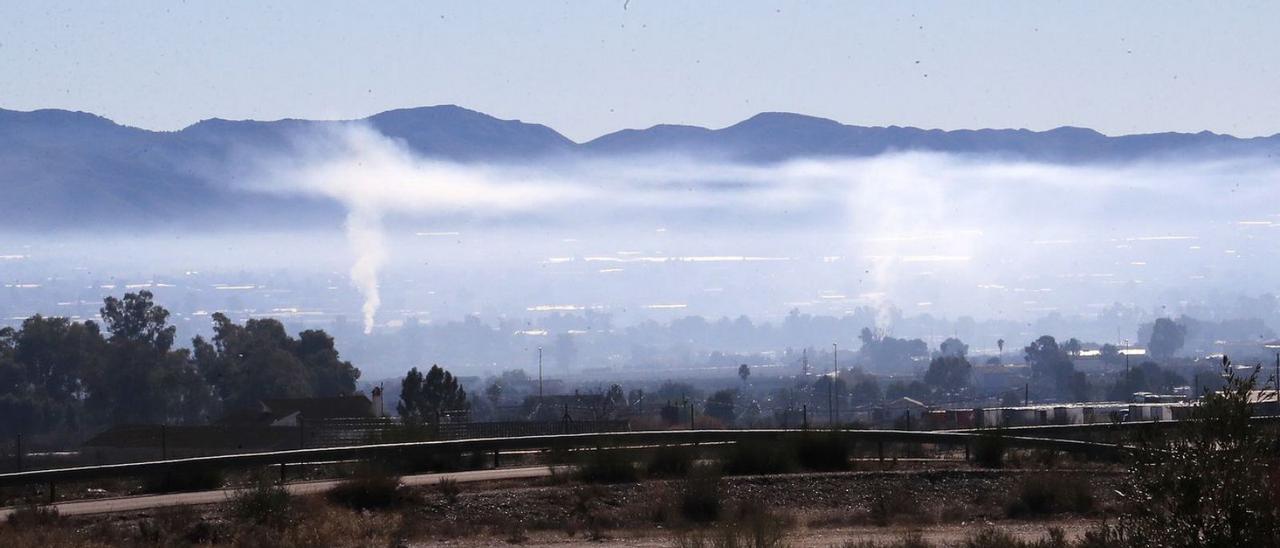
x=968, y=217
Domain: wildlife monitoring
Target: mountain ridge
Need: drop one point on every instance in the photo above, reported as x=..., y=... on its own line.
x=61, y=166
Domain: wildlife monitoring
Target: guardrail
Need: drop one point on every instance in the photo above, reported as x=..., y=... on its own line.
x=1054, y=430
x=561, y=441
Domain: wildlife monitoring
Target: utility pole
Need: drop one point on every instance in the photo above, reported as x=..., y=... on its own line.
x=539, y=374
x=831, y=386
x=1278, y=382
x=1026, y=394
x=835, y=370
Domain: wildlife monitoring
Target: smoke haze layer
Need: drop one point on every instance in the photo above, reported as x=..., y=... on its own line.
x=944, y=234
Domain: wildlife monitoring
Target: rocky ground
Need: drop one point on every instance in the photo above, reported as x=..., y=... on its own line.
x=801, y=509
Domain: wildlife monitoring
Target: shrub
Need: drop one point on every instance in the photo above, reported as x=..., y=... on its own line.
x=886, y=506
x=1208, y=483
x=907, y=540
x=1050, y=494
x=759, y=526
x=701, y=498
x=989, y=448
x=606, y=466
x=449, y=490
x=186, y=478
x=759, y=457
x=670, y=461
x=264, y=504
x=372, y=487
x=823, y=451
x=31, y=514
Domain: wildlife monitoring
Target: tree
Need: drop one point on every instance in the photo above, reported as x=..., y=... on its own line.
x=1010, y=399
x=953, y=347
x=248, y=363
x=720, y=405
x=1167, y=337
x=1211, y=483
x=1000, y=345
x=424, y=398
x=136, y=318
x=1053, y=372
x=889, y=352
x=915, y=390
x=140, y=379
x=615, y=397
x=1072, y=347
x=1146, y=377
x=1110, y=354
x=866, y=390
x=948, y=373
x=494, y=393
x=744, y=371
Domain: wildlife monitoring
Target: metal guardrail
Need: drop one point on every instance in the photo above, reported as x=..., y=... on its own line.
x=1052, y=430
x=561, y=441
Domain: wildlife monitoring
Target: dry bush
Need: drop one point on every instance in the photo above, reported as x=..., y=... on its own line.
x=179, y=526
x=321, y=524
x=671, y=461
x=759, y=457
x=449, y=490
x=823, y=451
x=888, y=506
x=607, y=466
x=907, y=540
x=701, y=496
x=756, y=528
x=371, y=488
x=1044, y=494
x=589, y=513
x=263, y=504
x=185, y=479
x=32, y=515
x=989, y=449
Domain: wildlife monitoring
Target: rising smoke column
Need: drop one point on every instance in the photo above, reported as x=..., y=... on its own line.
x=368, y=244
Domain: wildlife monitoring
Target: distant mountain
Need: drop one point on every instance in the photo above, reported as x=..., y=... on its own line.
x=62, y=169
x=775, y=136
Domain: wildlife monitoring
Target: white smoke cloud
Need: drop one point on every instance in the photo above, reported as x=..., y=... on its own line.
x=974, y=216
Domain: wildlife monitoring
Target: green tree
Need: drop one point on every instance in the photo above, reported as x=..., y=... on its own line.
x=953, y=347
x=744, y=371
x=720, y=405
x=1210, y=483
x=424, y=398
x=1052, y=371
x=248, y=363
x=948, y=373
x=1167, y=338
x=140, y=378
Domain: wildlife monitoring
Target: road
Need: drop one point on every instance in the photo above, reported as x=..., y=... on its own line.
x=146, y=502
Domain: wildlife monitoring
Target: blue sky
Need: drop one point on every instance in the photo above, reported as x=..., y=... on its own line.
x=588, y=68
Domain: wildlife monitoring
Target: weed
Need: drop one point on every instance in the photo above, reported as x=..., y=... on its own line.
x=449, y=490
x=373, y=487
x=264, y=504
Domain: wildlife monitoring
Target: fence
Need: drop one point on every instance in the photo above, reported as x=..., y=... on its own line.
x=341, y=432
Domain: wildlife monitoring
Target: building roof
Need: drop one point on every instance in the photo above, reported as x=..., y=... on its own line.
x=905, y=402
x=334, y=407
x=208, y=437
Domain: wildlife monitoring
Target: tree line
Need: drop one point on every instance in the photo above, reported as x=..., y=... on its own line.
x=64, y=376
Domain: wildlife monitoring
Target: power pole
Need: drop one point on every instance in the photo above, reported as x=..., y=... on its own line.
x=831, y=386
x=1026, y=394
x=835, y=368
x=539, y=374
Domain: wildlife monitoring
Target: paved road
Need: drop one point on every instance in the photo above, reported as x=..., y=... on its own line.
x=144, y=502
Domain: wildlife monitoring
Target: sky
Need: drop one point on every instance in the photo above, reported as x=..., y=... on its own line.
x=590, y=68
